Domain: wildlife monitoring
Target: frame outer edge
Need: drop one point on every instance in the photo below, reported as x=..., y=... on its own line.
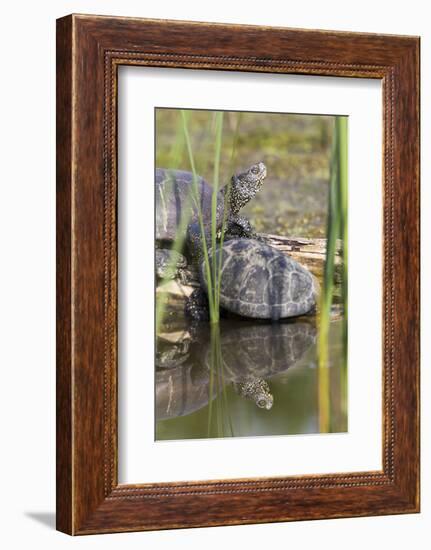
x=81, y=507
x=64, y=368
x=407, y=274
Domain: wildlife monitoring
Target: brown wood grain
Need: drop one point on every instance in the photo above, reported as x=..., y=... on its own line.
x=89, y=51
x=64, y=289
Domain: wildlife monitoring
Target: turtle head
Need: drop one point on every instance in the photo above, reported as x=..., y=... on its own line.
x=244, y=186
x=264, y=401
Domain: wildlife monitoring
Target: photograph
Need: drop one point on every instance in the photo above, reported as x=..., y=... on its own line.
x=250, y=274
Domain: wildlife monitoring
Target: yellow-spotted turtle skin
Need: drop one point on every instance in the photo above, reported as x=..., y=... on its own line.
x=176, y=193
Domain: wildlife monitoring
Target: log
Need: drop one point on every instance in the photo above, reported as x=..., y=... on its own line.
x=310, y=253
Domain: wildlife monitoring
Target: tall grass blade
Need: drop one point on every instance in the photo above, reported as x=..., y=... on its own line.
x=215, y=189
x=342, y=123
x=333, y=232
x=212, y=310
x=215, y=335
x=211, y=399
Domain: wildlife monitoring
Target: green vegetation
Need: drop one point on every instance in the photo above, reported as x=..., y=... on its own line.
x=218, y=406
x=336, y=229
x=212, y=271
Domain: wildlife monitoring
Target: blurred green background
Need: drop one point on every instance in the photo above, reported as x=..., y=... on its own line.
x=295, y=148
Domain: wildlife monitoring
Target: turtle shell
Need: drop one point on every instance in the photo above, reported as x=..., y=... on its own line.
x=174, y=198
x=260, y=282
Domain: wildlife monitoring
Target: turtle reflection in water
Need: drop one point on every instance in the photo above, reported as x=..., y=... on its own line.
x=249, y=355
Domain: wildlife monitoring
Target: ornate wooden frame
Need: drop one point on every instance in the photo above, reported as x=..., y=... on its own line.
x=89, y=51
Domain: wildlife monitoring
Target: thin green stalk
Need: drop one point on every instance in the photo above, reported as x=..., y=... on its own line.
x=333, y=227
x=216, y=337
x=225, y=399
x=217, y=366
x=333, y=231
x=219, y=402
x=342, y=123
x=213, y=313
x=218, y=141
x=211, y=392
x=222, y=417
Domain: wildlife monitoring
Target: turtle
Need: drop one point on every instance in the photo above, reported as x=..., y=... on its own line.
x=177, y=211
x=257, y=281
x=250, y=353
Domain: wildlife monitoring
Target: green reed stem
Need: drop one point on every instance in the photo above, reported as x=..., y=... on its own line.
x=342, y=125
x=216, y=178
x=211, y=398
x=218, y=398
x=218, y=364
x=225, y=399
x=214, y=315
x=219, y=403
x=333, y=233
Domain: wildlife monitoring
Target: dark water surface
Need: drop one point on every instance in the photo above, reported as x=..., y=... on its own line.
x=200, y=381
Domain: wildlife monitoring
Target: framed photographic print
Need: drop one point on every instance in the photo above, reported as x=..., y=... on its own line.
x=237, y=274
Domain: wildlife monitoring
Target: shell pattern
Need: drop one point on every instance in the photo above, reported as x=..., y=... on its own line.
x=174, y=199
x=260, y=282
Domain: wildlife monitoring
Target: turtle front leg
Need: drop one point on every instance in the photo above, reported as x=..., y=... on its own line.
x=196, y=307
x=240, y=227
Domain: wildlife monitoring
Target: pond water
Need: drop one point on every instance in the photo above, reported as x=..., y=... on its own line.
x=246, y=379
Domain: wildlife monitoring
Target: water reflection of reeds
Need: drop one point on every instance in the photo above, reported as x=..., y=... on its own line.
x=217, y=387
